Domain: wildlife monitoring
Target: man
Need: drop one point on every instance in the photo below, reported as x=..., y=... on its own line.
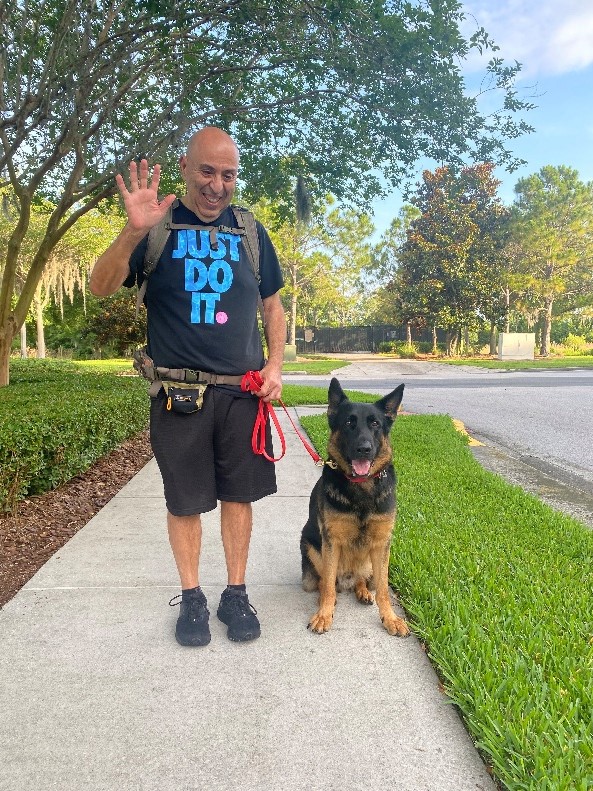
x=202, y=316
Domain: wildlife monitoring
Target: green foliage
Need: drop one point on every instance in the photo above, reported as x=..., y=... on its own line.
x=56, y=420
x=576, y=343
x=451, y=266
x=336, y=94
x=113, y=324
x=401, y=348
x=499, y=588
x=552, y=220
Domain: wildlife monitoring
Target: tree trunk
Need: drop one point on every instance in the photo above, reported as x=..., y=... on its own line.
x=24, y=341
x=546, y=327
x=40, y=330
x=408, y=333
x=452, y=340
x=293, y=308
x=434, y=340
x=507, y=302
x=466, y=340
x=493, y=337
x=5, y=344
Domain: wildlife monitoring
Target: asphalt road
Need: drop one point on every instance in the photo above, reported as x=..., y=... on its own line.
x=536, y=426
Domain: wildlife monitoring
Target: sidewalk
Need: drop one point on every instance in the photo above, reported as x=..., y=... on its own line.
x=96, y=694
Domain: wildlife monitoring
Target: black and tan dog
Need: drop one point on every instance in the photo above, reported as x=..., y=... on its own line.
x=347, y=538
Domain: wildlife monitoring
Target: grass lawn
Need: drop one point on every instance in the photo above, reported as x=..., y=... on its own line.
x=499, y=587
x=315, y=366
x=524, y=365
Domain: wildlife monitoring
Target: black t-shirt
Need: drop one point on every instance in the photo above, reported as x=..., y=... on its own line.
x=202, y=302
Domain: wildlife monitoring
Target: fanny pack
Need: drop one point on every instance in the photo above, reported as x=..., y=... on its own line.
x=183, y=398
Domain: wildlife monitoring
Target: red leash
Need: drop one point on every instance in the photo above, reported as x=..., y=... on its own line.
x=252, y=381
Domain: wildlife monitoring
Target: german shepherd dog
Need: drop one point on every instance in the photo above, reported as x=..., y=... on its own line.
x=347, y=538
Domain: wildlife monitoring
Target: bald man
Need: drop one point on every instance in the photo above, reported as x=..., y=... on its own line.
x=201, y=302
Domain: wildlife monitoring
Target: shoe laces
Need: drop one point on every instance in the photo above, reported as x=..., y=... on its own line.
x=196, y=605
x=240, y=604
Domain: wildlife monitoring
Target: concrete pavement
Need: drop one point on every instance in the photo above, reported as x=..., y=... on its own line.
x=96, y=694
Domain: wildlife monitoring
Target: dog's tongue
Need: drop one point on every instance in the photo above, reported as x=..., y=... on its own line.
x=361, y=466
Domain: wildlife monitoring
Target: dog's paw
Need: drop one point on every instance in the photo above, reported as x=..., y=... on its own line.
x=364, y=596
x=320, y=623
x=395, y=626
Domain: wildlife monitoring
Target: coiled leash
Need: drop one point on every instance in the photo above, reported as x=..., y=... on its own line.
x=252, y=381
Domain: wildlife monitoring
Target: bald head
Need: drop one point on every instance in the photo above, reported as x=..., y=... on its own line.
x=209, y=137
x=209, y=168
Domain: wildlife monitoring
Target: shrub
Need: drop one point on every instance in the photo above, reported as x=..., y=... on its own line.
x=401, y=348
x=55, y=421
x=575, y=343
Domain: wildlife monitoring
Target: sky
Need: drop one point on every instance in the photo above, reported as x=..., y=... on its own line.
x=553, y=41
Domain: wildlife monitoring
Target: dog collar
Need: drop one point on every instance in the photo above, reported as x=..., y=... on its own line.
x=364, y=478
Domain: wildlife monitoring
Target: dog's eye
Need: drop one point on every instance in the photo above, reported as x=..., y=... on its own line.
x=351, y=422
x=375, y=423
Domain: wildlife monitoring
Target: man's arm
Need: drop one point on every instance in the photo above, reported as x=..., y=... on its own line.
x=275, y=332
x=144, y=210
x=112, y=267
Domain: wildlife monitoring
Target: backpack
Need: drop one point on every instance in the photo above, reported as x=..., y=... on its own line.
x=158, y=235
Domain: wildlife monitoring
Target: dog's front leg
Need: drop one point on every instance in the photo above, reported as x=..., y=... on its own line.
x=380, y=561
x=322, y=620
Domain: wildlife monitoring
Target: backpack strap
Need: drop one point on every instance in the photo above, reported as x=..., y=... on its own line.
x=157, y=239
x=246, y=223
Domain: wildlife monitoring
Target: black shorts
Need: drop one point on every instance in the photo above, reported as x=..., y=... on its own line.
x=207, y=456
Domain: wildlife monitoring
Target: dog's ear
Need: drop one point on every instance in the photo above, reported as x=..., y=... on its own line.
x=335, y=396
x=389, y=404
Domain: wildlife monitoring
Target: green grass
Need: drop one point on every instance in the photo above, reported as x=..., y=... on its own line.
x=525, y=365
x=315, y=366
x=499, y=587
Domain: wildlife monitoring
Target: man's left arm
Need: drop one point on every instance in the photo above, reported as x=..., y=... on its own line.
x=275, y=332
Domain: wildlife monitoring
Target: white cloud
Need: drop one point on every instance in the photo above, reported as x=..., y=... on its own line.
x=546, y=36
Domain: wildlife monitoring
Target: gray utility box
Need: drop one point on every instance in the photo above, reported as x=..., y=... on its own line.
x=516, y=346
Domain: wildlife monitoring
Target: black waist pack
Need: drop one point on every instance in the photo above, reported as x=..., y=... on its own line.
x=184, y=399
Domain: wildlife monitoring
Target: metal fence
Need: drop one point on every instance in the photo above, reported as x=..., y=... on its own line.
x=314, y=340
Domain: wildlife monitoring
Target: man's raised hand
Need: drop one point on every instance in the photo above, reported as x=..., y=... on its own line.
x=141, y=201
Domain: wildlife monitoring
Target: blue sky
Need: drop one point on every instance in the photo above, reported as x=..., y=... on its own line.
x=554, y=43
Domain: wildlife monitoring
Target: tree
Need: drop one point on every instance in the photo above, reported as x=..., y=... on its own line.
x=336, y=92
x=321, y=261
x=382, y=272
x=452, y=263
x=553, y=226
x=69, y=263
x=115, y=324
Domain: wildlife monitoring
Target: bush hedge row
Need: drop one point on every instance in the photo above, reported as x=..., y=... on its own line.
x=56, y=420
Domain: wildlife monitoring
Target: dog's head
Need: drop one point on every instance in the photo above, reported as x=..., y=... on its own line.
x=359, y=441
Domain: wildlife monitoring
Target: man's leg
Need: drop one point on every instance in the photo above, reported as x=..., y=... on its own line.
x=235, y=526
x=185, y=537
x=234, y=609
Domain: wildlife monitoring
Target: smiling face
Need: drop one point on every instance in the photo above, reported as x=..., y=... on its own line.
x=209, y=169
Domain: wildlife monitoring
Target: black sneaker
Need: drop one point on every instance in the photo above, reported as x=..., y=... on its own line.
x=192, y=625
x=239, y=615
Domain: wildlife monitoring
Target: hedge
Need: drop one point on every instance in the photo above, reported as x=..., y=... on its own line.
x=56, y=420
